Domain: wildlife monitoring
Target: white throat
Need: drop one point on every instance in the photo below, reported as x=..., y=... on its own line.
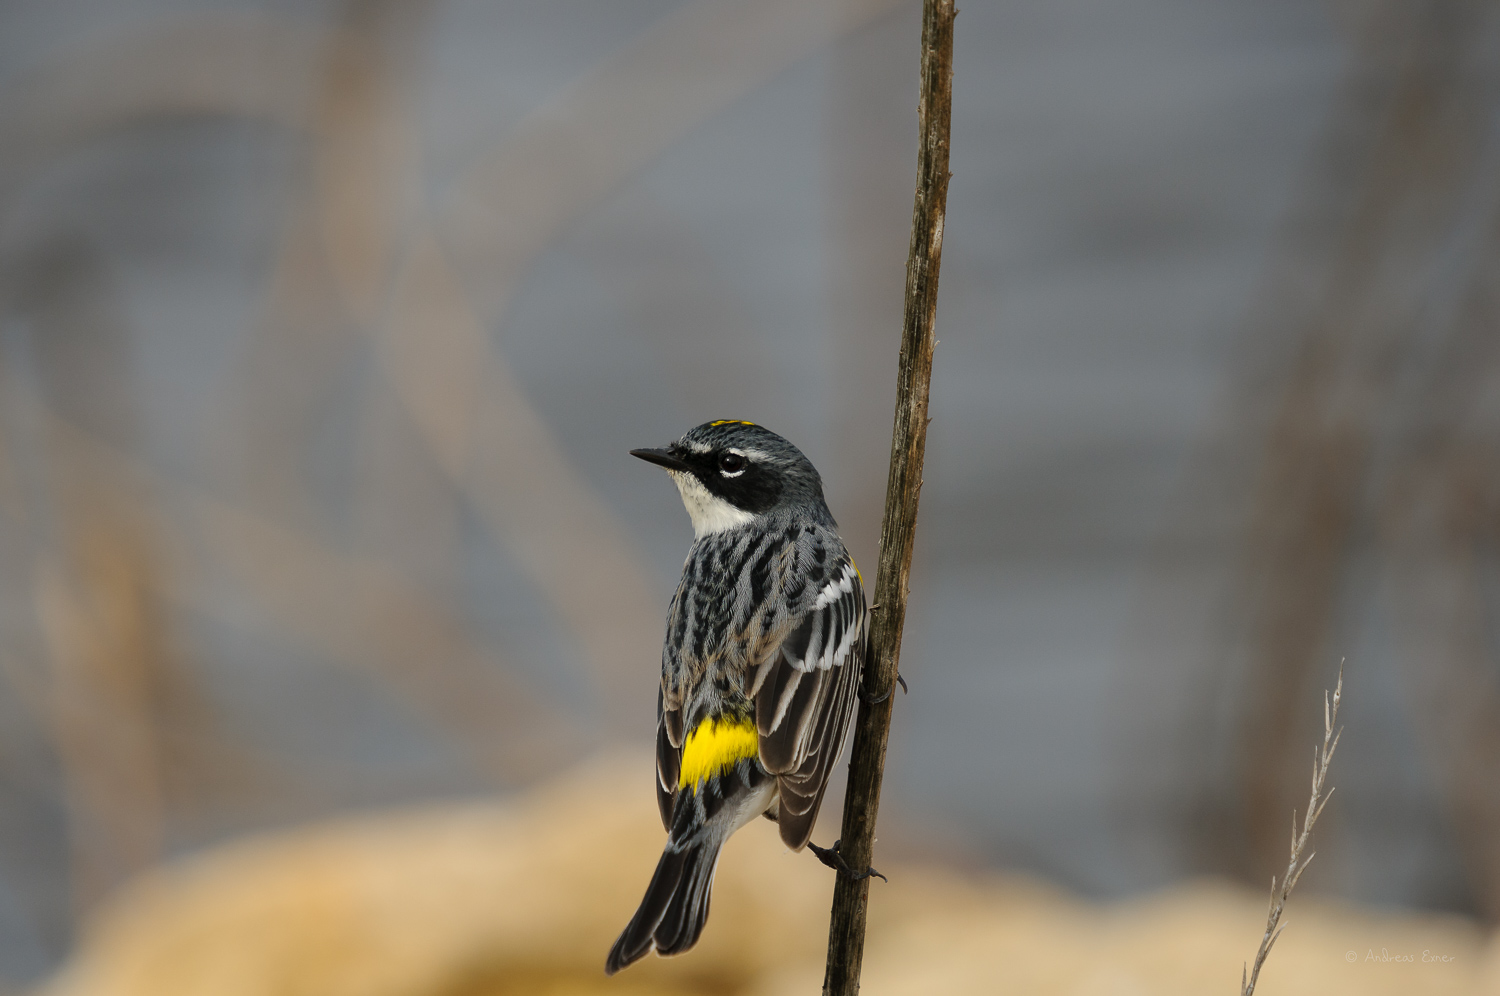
x=710, y=513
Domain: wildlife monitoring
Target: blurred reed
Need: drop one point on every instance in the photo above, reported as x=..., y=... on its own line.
x=1349, y=464
x=1423, y=91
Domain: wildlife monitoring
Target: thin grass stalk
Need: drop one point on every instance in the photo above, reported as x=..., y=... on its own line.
x=1298, y=863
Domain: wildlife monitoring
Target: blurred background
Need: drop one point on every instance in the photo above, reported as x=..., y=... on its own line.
x=325, y=328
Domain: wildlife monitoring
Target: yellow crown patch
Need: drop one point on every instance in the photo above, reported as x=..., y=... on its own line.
x=731, y=421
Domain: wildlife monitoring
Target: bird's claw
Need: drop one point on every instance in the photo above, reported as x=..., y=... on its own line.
x=874, y=700
x=831, y=857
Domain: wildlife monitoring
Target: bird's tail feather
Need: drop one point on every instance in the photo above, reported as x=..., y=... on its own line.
x=675, y=908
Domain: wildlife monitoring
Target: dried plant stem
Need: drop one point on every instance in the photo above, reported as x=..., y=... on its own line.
x=846, y=930
x=1298, y=863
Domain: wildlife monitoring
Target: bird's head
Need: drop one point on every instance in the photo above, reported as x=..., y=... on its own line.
x=730, y=473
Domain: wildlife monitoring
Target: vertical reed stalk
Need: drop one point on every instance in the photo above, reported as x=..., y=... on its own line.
x=846, y=932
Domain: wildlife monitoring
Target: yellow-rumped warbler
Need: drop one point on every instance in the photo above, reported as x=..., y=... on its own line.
x=765, y=644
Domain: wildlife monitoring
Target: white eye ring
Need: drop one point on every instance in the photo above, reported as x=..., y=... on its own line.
x=744, y=462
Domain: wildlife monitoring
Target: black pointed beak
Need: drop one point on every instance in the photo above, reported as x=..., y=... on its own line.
x=662, y=458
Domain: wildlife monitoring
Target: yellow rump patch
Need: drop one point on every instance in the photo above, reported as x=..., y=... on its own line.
x=730, y=421
x=714, y=746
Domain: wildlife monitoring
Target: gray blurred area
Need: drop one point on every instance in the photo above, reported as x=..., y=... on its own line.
x=325, y=328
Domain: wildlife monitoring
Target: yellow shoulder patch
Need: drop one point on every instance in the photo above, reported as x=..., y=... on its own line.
x=731, y=421
x=714, y=746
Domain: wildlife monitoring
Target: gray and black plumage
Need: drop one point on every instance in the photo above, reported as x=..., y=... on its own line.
x=764, y=648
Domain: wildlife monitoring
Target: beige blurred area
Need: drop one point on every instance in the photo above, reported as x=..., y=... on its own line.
x=526, y=897
x=331, y=602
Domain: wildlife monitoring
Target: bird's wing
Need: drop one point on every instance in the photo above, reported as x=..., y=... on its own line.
x=805, y=696
x=668, y=757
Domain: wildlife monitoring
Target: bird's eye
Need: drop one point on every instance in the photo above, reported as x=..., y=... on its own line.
x=731, y=464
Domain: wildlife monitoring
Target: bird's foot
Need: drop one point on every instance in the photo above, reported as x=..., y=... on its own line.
x=874, y=700
x=831, y=857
